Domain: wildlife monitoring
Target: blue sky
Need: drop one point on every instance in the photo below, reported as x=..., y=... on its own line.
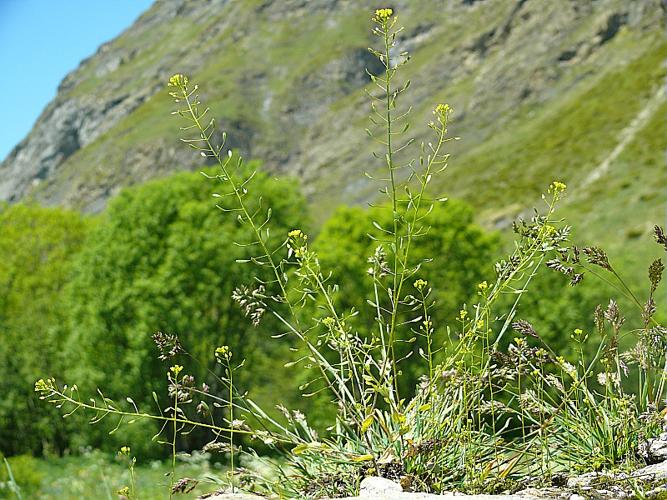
x=43, y=40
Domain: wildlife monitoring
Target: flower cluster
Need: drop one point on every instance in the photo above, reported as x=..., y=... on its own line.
x=167, y=344
x=329, y=322
x=382, y=15
x=420, y=284
x=557, y=187
x=442, y=110
x=296, y=242
x=44, y=385
x=598, y=257
x=178, y=80
x=567, y=367
x=660, y=236
x=380, y=265
x=296, y=233
x=223, y=353
x=524, y=327
x=176, y=369
x=252, y=302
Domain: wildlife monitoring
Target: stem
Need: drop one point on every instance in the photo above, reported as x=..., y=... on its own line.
x=401, y=261
x=394, y=208
x=173, y=442
x=231, y=420
x=132, y=482
x=341, y=330
x=256, y=230
x=113, y=411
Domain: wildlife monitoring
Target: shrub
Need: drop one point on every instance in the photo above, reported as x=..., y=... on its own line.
x=19, y=472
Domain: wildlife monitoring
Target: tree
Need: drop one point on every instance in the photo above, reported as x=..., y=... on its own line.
x=37, y=246
x=462, y=252
x=164, y=259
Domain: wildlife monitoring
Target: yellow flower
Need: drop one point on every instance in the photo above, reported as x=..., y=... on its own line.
x=41, y=385
x=297, y=242
x=176, y=369
x=125, y=450
x=482, y=287
x=329, y=322
x=549, y=229
x=178, y=80
x=442, y=110
x=463, y=314
x=480, y=324
x=420, y=284
x=381, y=15
x=223, y=353
x=557, y=187
x=578, y=335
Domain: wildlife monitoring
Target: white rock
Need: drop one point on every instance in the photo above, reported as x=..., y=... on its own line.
x=657, y=449
x=378, y=486
x=656, y=472
x=234, y=496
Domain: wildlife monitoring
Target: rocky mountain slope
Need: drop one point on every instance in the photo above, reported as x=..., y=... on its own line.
x=542, y=89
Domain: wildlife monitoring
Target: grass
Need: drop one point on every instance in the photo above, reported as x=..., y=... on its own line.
x=508, y=153
x=274, y=57
x=566, y=139
x=94, y=474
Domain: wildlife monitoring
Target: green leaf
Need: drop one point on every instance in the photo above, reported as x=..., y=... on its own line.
x=368, y=421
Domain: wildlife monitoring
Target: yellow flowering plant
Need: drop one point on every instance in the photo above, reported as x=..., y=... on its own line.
x=488, y=413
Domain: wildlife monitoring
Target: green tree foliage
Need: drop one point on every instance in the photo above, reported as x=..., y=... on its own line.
x=36, y=249
x=462, y=252
x=164, y=259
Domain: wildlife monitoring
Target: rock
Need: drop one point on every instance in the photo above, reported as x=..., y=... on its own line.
x=446, y=496
x=378, y=486
x=656, y=450
x=608, y=485
x=655, y=472
x=232, y=496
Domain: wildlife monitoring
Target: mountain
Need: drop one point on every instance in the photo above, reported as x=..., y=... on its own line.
x=572, y=90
